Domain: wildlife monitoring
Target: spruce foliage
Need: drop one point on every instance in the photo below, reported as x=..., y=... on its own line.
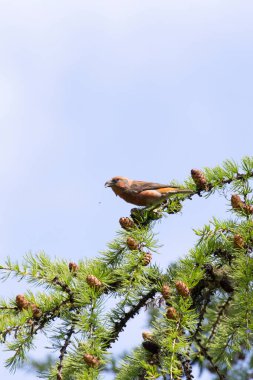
x=201, y=306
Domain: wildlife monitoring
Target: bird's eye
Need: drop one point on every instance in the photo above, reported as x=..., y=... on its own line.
x=115, y=180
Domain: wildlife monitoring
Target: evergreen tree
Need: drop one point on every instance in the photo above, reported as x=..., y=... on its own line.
x=201, y=307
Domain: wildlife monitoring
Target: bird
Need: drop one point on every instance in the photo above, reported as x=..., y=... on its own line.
x=142, y=193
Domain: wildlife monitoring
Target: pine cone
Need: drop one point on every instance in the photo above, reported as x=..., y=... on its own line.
x=226, y=284
x=91, y=360
x=199, y=179
x=126, y=223
x=21, y=302
x=147, y=335
x=132, y=243
x=220, y=278
x=73, y=267
x=171, y=313
x=93, y=281
x=236, y=202
x=151, y=346
x=248, y=209
x=238, y=241
x=182, y=289
x=166, y=291
x=146, y=258
x=37, y=313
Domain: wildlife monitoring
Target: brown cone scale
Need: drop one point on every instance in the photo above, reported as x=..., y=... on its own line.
x=147, y=335
x=236, y=202
x=91, y=360
x=166, y=291
x=22, y=302
x=171, y=313
x=132, y=244
x=73, y=267
x=126, y=223
x=199, y=179
x=182, y=289
x=93, y=281
x=238, y=241
x=37, y=313
x=147, y=258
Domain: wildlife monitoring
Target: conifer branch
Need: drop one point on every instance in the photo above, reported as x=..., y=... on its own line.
x=120, y=325
x=173, y=352
x=63, y=351
x=186, y=363
x=202, y=313
x=168, y=206
x=207, y=356
x=220, y=265
x=50, y=315
x=237, y=177
x=65, y=288
x=222, y=310
x=13, y=329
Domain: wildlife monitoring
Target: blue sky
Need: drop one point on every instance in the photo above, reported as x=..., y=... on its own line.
x=93, y=89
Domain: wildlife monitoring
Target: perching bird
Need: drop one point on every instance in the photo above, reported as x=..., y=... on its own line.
x=142, y=193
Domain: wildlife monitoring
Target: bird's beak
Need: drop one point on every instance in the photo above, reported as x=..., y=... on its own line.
x=108, y=184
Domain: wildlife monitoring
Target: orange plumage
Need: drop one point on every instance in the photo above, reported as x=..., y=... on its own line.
x=142, y=193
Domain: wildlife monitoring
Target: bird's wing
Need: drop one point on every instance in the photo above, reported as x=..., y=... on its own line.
x=139, y=186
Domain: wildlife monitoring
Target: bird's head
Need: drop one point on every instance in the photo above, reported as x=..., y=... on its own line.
x=118, y=182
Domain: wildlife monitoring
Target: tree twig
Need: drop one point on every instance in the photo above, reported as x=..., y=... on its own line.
x=218, y=319
x=205, y=353
x=63, y=351
x=121, y=324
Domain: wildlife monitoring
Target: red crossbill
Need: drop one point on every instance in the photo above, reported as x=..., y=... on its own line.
x=142, y=193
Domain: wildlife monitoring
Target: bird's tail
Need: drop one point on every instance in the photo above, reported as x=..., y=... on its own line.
x=183, y=191
x=175, y=190
x=180, y=191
